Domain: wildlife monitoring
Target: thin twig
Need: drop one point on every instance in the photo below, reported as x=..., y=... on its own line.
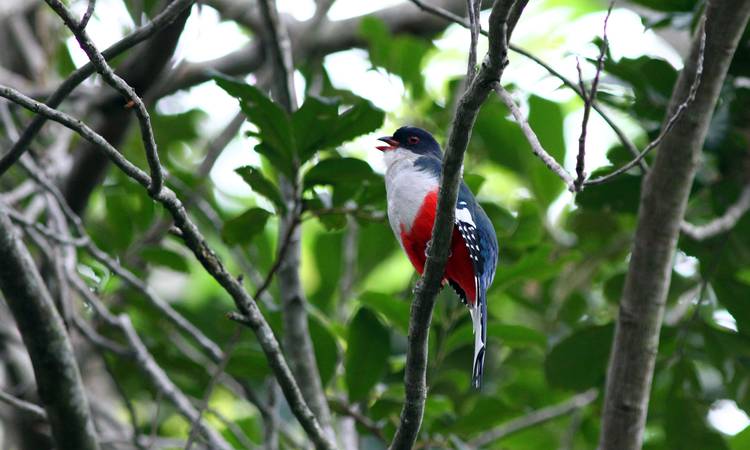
x=43, y=230
x=31, y=408
x=279, y=258
x=97, y=339
x=345, y=408
x=588, y=101
x=722, y=224
x=114, y=80
x=535, y=418
x=472, y=9
x=129, y=407
x=160, y=379
x=672, y=119
x=220, y=368
x=536, y=146
x=87, y=15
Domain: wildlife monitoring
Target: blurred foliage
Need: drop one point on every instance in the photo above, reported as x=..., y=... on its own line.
x=559, y=279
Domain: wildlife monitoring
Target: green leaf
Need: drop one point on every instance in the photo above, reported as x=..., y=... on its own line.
x=164, y=257
x=741, y=440
x=326, y=350
x=537, y=265
x=333, y=222
x=501, y=218
x=400, y=55
x=367, y=353
x=394, y=309
x=685, y=425
x=516, y=336
x=668, y=5
x=262, y=185
x=734, y=296
x=318, y=125
x=174, y=128
x=360, y=119
x=530, y=229
x=621, y=195
x=277, y=160
x=579, y=361
x=272, y=121
x=483, y=415
x=503, y=142
x=652, y=80
x=338, y=170
x=311, y=124
x=474, y=182
x=244, y=227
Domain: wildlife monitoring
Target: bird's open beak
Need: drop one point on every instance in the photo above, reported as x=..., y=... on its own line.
x=392, y=144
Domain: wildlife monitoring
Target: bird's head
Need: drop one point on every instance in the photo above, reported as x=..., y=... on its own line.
x=412, y=139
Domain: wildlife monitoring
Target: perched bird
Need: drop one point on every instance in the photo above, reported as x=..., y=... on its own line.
x=413, y=162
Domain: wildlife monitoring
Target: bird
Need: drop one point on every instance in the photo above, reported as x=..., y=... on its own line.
x=413, y=161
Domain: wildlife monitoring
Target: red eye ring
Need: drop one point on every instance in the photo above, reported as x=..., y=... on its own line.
x=413, y=140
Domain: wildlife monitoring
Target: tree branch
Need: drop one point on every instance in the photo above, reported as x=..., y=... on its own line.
x=297, y=342
x=31, y=408
x=536, y=418
x=56, y=372
x=160, y=379
x=676, y=115
x=588, y=101
x=87, y=15
x=722, y=224
x=415, y=376
x=663, y=199
x=536, y=146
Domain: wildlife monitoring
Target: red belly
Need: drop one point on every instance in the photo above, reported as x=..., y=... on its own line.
x=459, y=268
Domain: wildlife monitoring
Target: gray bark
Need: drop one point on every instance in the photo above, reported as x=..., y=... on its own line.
x=56, y=372
x=663, y=199
x=298, y=345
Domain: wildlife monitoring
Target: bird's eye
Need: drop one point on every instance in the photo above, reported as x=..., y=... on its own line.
x=413, y=140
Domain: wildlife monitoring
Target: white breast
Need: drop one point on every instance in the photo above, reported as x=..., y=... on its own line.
x=406, y=187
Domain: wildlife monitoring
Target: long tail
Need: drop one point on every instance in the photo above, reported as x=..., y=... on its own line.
x=479, y=320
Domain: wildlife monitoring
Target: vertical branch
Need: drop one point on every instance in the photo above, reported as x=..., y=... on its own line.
x=662, y=207
x=588, y=101
x=87, y=15
x=56, y=372
x=472, y=8
x=297, y=343
x=415, y=376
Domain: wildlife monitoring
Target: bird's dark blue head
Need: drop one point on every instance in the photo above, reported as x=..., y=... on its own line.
x=413, y=139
